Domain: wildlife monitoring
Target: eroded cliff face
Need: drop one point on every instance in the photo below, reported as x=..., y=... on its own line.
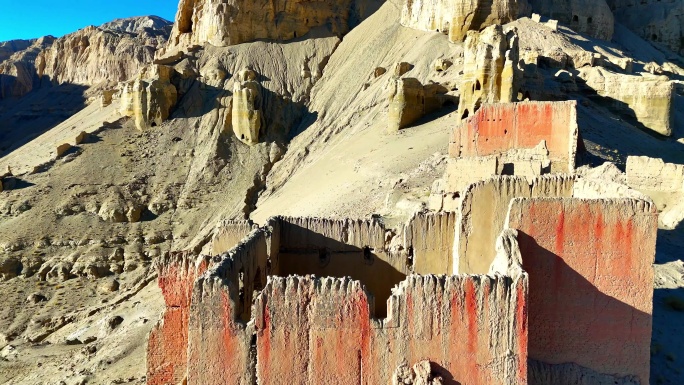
x=230, y=22
x=491, y=73
x=114, y=52
x=592, y=17
x=654, y=20
x=456, y=17
x=149, y=98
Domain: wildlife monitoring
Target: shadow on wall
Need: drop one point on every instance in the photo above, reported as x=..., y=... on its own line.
x=327, y=257
x=572, y=321
x=25, y=118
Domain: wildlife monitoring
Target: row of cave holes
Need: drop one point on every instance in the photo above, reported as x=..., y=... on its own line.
x=575, y=19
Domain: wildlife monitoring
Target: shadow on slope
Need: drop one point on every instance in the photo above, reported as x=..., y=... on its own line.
x=23, y=119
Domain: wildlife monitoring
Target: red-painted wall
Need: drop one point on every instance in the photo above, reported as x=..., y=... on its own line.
x=497, y=128
x=168, y=341
x=591, y=281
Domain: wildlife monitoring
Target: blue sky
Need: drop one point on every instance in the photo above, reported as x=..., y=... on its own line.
x=35, y=18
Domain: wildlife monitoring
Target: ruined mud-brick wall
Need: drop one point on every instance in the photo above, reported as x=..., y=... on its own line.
x=473, y=329
x=312, y=331
x=429, y=241
x=220, y=336
x=591, y=285
x=483, y=212
x=498, y=128
x=342, y=248
x=168, y=340
x=228, y=234
x=652, y=174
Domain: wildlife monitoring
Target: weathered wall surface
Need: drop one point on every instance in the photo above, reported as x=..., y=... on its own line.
x=472, y=327
x=590, y=268
x=481, y=218
x=327, y=322
x=228, y=234
x=431, y=239
x=219, y=334
x=653, y=174
x=312, y=331
x=648, y=99
x=497, y=128
x=457, y=17
x=483, y=215
x=168, y=341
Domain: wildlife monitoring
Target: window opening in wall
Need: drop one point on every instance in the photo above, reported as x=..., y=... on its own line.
x=575, y=19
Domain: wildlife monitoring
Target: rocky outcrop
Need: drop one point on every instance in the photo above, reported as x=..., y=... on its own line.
x=491, y=70
x=136, y=25
x=648, y=99
x=654, y=20
x=8, y=48
x=456, y=17
x=592, y=17
x=149, y=98
x=230, y=22
x=246, y=114
x=409, y=100
x=91, y=56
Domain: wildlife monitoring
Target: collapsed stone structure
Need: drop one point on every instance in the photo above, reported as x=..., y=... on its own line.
x=649, y=99
x=460, y=296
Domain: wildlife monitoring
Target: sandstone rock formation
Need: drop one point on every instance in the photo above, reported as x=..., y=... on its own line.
x=84, y=57
x=246, y=115
x=491, y=70
x=592, y=17
x=150, y=97
x=409, y=100
x=137, y=25
x=456, y=17
x=238, y=21
x=646, y=98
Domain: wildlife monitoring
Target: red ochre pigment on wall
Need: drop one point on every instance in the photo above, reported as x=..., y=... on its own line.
x=320, y=331
x=168, y=341
x=591, y=281
x=497, y=128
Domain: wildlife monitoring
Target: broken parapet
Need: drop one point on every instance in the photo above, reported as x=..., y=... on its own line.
x=430, y=238
x=245, y=322
x=491, y=70
x=653, y=174
x=219, y=344
x=328, y=320
x=483, y=214
x=500, y=128
x=228, y=234
x=312, y=330
x=168, y=341
x=247, y=118
x=649, y=99
x=591, y=284
x=456, y=17
x=150, y=97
